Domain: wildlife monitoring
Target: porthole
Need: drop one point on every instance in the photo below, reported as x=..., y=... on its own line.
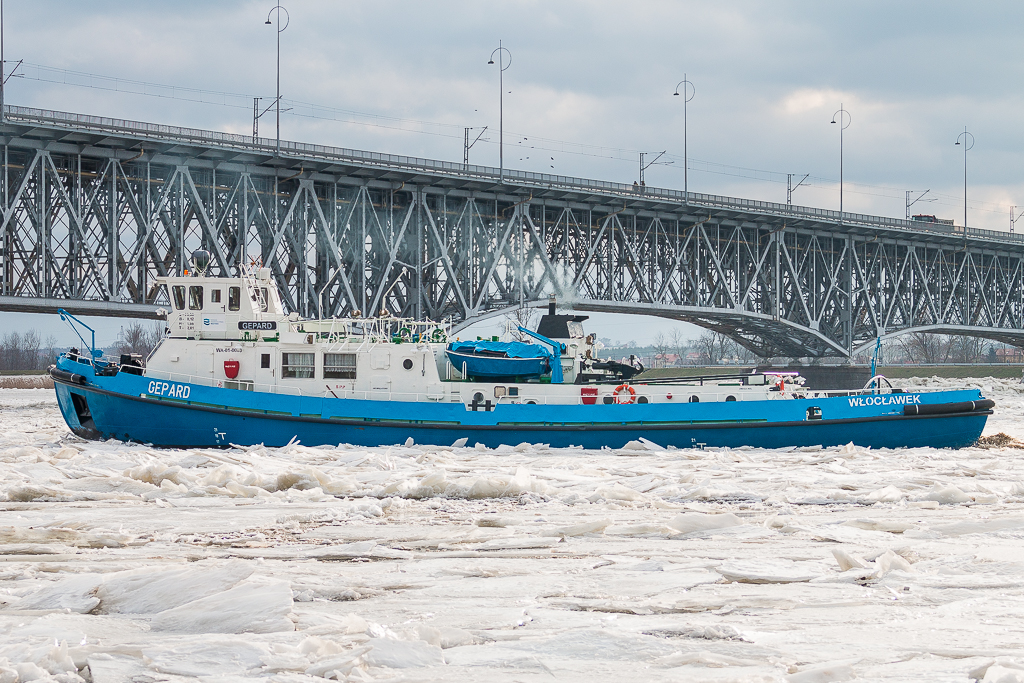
x=730, y=398
x=609, y=400
x=478, y=397
x=530, y=402
x=641, y=399
x=695, y=399
x=407, y=363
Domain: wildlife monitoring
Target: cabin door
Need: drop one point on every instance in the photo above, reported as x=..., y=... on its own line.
x=268, y=368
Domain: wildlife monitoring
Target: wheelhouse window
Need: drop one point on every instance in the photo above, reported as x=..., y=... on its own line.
x=214, y=296
x=297, y=365
x=339, y=366
x=195, y=298
x=262, y=299
x=234, y=298
x=178, y=293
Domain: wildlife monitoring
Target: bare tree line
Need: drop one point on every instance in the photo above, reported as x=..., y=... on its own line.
x=139, y=339
x=940, y=348
x=520, y=317
x=26, y=352
x=713, y=348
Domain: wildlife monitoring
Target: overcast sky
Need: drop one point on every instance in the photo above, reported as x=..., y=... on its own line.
x=590, y=85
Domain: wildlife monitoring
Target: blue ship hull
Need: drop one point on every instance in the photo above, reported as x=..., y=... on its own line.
x=172, y=414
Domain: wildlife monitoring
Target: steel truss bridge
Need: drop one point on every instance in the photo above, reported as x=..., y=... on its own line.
x=96, y=209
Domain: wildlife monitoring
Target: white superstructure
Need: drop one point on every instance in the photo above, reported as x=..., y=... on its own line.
x=234, y=333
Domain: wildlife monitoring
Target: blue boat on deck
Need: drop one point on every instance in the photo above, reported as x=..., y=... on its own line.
x=235, y=368
x=499, y=359
x=493, y=359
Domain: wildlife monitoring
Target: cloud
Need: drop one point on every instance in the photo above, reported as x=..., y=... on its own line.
x=597, y=73
x=808, y=99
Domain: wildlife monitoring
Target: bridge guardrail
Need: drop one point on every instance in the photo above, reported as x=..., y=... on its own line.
x=326, y=152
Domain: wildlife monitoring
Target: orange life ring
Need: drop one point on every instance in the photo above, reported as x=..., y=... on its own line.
x=630, y=394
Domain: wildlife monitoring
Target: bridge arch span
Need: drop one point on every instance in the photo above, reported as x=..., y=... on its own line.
x=759, y=333
x=1005, y=336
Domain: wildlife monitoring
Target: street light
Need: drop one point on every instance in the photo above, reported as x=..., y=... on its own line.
x=968, y=146
x=288, y=19
x=844, y=122
x=687, y=96
x=502, y=66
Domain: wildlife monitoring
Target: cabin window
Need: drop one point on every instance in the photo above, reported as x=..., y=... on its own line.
x=179, y=297
x=234, y=298
x=214, y=296
x=195, y=298
x=262, y=299
x=339, y=366
x=297, y=365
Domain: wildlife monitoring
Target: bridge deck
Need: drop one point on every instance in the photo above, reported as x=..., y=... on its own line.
x=214, y=148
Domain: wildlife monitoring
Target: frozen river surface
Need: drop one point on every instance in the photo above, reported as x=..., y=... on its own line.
x=127, y=563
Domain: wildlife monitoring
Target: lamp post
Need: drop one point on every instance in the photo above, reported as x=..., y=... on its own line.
x=502, y=66
x=288, y=19
x=968, y=146
x=688, y=92
x=844, y=122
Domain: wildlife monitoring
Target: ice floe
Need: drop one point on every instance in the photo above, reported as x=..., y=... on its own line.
x=461, y=563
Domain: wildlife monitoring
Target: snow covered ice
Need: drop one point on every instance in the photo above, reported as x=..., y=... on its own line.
x=121, y=562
